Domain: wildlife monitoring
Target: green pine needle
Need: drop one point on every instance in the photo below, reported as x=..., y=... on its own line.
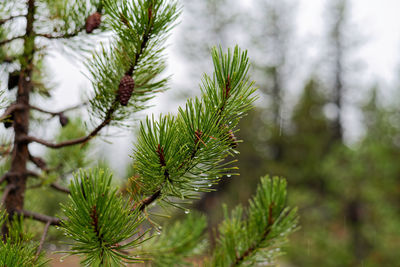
x=100, y=221
x=180, y=156
x=258, y=237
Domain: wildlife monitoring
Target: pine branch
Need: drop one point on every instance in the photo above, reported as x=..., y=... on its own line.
x=257, y=233
x=252, y=249
x=76, y=141
x=114, y=105
x=178, y=243
x=109, y=226
x=189, y=149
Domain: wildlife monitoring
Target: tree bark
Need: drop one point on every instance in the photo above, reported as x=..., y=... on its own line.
x=20, y=155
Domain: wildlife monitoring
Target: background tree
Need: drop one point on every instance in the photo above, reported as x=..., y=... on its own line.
x=176, y=157
x=339, y=184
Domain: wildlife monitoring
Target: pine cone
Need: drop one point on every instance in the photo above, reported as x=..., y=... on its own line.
x=125, y=89
x=13, y=79
x=63, y=119
x=93, y=22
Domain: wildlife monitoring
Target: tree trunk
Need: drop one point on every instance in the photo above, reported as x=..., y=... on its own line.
x=17, y=175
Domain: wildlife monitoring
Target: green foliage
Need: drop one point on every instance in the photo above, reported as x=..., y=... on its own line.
x=141, y=28
x=17, y=249
x=183, y=155
x=67, y=17
x=177, y=244
x=99, y=220
x=258, y=237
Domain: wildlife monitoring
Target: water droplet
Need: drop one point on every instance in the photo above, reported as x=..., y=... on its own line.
x=229, y=175
x=187, y=211
x=159, y=227
x=158, y=233
x=196, y=189
x=61, y=260
x=209, y=185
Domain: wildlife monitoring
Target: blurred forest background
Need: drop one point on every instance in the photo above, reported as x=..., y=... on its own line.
x=330, y=131
x=346, y=185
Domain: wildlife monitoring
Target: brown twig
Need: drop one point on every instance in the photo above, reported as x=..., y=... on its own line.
x=62, y=36
x=53, y=114
x=39, y=162
x=46, y=229
x=11, y=39
x=76, y=141
x=60, y=188
x=40, y=217
x=6, y=192
x=2, y=21
x=10, y=110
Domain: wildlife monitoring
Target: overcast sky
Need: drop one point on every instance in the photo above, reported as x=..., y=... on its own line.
x=375, y=22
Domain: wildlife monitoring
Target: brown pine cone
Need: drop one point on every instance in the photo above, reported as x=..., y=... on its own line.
x=125, y=89
x=63, y=119
x=93, y=22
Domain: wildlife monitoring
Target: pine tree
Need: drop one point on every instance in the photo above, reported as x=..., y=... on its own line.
x=176, y=157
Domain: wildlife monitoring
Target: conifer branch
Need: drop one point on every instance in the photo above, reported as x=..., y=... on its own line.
x=109, y=113
x=250, y=235
x=76, y=141
x=205, y=134
x=252, y=249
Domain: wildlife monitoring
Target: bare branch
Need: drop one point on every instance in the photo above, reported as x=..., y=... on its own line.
x=11, y=39
x=59, y=112
x=40, y=217
x=46, y=229
x=60, y=188
x=10, y=110
x=2, y=21
x=80, y=140
x=62, y=36
x=39, y=162
x=7, y=190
